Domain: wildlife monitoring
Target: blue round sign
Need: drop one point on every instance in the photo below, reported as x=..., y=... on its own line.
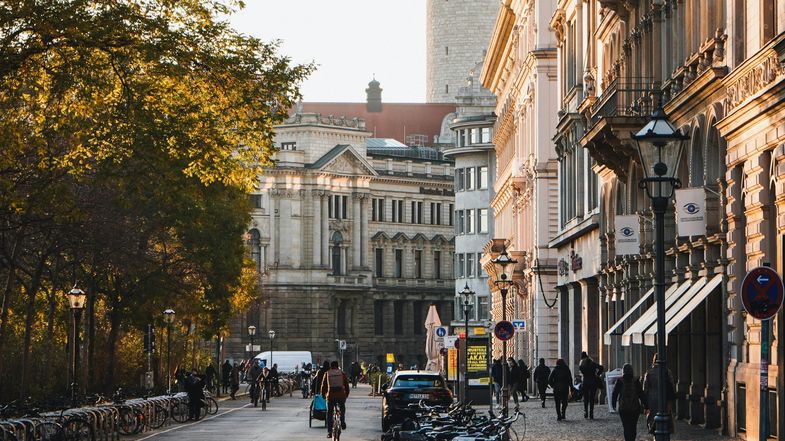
x=441, y=331
x=504, y=330
x=762, y=293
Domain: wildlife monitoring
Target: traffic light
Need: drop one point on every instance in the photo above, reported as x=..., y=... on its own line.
x=149, y=339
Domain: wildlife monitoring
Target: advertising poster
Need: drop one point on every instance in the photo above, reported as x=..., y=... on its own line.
x=452, y=364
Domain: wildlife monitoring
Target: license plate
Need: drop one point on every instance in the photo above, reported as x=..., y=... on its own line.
x=418, y=396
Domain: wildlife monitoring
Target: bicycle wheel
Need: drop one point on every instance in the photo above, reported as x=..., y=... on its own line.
x=180, y=412
x=160, y=415
x=78, y=429
x=212, y=406
x=48, y=431
x=127, y=421
x=336, y=425
x=7, y=433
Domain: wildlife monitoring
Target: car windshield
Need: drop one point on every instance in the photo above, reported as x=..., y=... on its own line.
x=418, y=381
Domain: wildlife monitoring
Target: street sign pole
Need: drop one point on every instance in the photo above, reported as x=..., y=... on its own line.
x=763, y=433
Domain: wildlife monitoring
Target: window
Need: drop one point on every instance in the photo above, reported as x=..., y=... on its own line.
x=482, y=220
x=255, y=246
x=398, y=263
x=256, y=200
x=288, y=146
x=475, y=133
x=418, y=264
x=470, y=178
x=336, y=253
x=469, y=223
x=446, y=88
x=437, y=264
x=482, y=177
x=460, y=265
x=336, y=206
x=379, y=262
x=449, y=213
x=459, y=185
x=398, y=317
x=378, y=317
x=419, y=212
x=482, y=307
x=459, y=227
x=397, y=211
x=377, y=210
x=485, y=135
x=480, y=271
x=446, y=50
x=416, y=212
x=419, y=381
x=439, y=213
x=470, y=265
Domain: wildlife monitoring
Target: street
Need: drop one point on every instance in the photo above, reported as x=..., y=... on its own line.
x=286, y=418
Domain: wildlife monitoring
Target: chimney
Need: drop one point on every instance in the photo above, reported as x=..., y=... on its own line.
x=374, y=96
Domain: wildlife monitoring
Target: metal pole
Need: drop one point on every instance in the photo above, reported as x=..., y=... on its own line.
x=763, y=432
x=271, y=352
x=169, y=358
x=504, y=355
x=75, y=379
x=662, y=420
x=466, y=352
x=251, y=351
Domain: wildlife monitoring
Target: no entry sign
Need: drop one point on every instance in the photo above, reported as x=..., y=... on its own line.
x=762, y=292
x=504, y=330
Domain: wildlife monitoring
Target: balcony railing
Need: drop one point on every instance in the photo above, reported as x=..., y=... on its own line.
x=625, y=97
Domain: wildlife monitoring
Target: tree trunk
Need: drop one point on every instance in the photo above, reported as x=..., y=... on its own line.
x=90, y=322
x=114, y=331
x=32, y=290
x=7, y=293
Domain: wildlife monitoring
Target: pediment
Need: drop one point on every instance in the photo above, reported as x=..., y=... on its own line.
x=346, y=161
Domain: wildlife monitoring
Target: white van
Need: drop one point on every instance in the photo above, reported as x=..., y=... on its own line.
x=287, y=361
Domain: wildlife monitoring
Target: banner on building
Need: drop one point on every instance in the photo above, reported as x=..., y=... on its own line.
x=452, y=364
x=691, y=211
x=627, y=234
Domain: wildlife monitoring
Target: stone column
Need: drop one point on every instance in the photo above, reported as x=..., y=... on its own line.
x=274, y=233
x=317, y=228
x=682, y=369
x=577, y=325
x=364, y=240
x=698, y=359
x=356, y=231
x=325, y=231
x=714, y=361
x=591, y=331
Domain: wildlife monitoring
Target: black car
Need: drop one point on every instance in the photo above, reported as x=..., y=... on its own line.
x=407, y=387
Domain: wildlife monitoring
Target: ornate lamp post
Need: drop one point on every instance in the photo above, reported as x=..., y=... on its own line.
x=76, y=300
x=468, y=300
x=169, y=319
x=659, y=146
x=505, y=266
x=271, y=334
x=251, y=334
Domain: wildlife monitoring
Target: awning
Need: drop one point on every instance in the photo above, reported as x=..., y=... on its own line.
x=635, y=332
x=611, y=331
x=692, y=303
x=650, y=336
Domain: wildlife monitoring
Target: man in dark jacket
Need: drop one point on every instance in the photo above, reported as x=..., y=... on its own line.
x=628, y=393
x=589, y=371
x=354, y=374
x=210, y=377
x=226, y=374
x=317, y=384
x=496, y=375
x=561, y=382
x=524, y=380
x=514, y=380
x=541, y=375
x=194, y=387
x=335, y=388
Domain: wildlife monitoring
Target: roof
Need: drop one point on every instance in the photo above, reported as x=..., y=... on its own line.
x=391, y=147
x=385, y=142
x=396, y=120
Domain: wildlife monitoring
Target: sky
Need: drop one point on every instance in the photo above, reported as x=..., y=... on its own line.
x=350, y=41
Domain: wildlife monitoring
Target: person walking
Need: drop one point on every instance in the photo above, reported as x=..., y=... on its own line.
x=234, y=379
x=226, y=374
x=514, y=378
x=561, y=382
x=628, y=395
x=317, y=384
x=335, y=388
x=590, y=374
x=650, y=383
x=354, y=374
x=253, y=373
x=194, y=387
x=541, y=375
x=209, y=377
x=496, y=376
x=524, y=379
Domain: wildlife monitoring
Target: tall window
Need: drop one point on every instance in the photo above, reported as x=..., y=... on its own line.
x=418, y=264
x=336, y=253
x=256, y=201
x=398, y=317
x=482, y=220
x=460, y=265
x=480, y=272
x=399, y=263
x=470, y=178
x=482, y=307
x=377, y=212
x=397, y=211
x=439, y=213
x=470, y=265
x=482, y=177
x=449, y=213
x=485, y=135
x=255, y=247
x=288, y=146
x=336, y=206
x=378, y=317
x=470, y=222
x=459, y=179
x=416, y=212
x=437, y=264
x=460, y=225
x=379, y=262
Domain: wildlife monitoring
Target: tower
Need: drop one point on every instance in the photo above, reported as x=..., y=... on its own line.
x=457, y=34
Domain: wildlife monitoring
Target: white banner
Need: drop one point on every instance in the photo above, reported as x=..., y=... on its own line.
x=627, y=235
x=691, y=211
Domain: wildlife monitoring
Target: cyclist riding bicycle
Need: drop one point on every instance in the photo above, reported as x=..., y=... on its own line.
x=305, y=380
x=335, y=388
x=265, y=380
x=253, y=374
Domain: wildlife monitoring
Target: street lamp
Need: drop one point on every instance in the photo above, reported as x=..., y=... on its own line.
x=169, y=319
x=660, y=146
x=271, y=334
x=468, y=299
x=505, y=266
x=251, y=334
x=76, y=300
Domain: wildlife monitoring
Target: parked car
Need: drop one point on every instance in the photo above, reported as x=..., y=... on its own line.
x=407, y=387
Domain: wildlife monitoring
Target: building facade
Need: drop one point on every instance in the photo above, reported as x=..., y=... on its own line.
x=520, y=69
x=457, y=33
x=353, y=237
x=716, y=69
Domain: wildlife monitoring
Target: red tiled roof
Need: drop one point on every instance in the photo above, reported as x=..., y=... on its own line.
x=396, y=120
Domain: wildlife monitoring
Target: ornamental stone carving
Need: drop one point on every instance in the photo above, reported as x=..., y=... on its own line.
x=753, y=80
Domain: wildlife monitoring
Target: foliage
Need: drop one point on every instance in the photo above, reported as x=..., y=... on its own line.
x=130, y=134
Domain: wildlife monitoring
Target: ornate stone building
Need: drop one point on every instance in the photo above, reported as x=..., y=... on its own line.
x=520, y=69
x=353, y=238
x=716, y=68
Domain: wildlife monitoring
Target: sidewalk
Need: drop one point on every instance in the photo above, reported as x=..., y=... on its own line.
x=540, y=424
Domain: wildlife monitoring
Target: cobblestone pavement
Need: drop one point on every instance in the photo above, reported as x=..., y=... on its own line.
x=541, y=425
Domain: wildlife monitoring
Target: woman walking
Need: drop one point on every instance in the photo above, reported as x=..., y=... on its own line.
x=589, y=371
x=541, y=375
x=561, y=382
x=628, y=394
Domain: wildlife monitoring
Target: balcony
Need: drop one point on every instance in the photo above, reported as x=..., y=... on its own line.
x=622, y=109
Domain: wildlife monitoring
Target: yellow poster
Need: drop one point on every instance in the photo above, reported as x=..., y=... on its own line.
x=478, y=331
x=452, y=364
x=477, y=359
x=390, y=358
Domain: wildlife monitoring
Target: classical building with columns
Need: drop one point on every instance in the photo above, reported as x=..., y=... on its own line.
x=353, y=238
x=717, y=70
x=520, y=69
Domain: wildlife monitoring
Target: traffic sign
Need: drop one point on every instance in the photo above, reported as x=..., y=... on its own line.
x=440, y=331
x=519, y=325
x=762, y=293
x=342, y=345
x=449, y=341
x=504, y=330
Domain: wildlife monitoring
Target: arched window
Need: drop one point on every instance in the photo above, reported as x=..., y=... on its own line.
x=715, y=156
x=255, y=247
x=336, y=253
x=696, y=160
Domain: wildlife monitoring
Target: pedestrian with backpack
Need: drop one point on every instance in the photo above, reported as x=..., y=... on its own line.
x=628, y=396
